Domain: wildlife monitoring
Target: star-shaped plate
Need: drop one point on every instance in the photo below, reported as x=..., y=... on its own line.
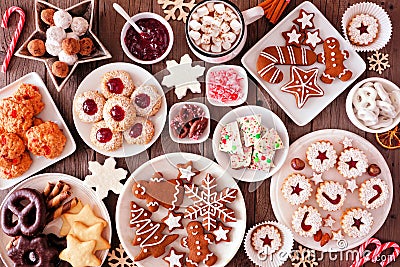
x=84, y=9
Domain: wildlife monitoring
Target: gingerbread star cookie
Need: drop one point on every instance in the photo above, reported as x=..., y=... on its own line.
x=293, y=37
x=187, y=171
x=79, y=254
x=221, y=233
x=313, y=39
x=173, y=220
x=175, y=258
x=305, y=20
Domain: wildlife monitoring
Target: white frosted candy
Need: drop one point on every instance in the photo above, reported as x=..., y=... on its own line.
x=55, y=35
x=202, y=11
x=69, y=59
x=72, y=35
x=210, y=6
x=208, y=20
x=62, y=19
x=225, y=27
x=219, y=8
x=235, y=25
x=195, y=35
x=216, y=48
x=79, y=26
x=194, y=25
x=229, y=37
x=226, y=45
x=205, y=39
x=206, y=47
x=195, y=16
x=216, y=40
x=53, y=48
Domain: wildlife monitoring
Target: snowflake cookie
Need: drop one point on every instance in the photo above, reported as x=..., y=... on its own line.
x=378, y=62
x=119, y=258
x=180, y=6
x=304, y=257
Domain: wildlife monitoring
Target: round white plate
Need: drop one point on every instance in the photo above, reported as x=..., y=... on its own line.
x=78, y=189
x=284, y=211
x=139, y=76
x=269, y=120
x=225, y=251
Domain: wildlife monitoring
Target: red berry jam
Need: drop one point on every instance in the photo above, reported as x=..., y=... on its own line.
x=115, y=86
x=136, y=130
x=90, y=107
x=152, y=44
x=142, y=100
x=104, y=135
x=117, y=113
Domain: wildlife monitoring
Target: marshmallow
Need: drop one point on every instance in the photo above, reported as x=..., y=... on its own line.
x=53, y=48
x=216, y=48
x=206, y=47
x=194, y=35
x=55, y=35
x=62, y=19
x=79, y=26
x=206, y=29
x=226, y=45
x=229, y=37
x=214, y=32
x=225, y=27
x=198, y=42
x=208, y=20
x=217, y=40
x=235, y=25
x=69, y=59
x=205, y=39
x=202, y=11
x=210, y=6
x=194, y=25
x=229, y=15
x=195, y=16
x=219, y=8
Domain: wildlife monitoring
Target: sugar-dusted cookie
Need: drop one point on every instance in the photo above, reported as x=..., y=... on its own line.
x=146, y=100
x=305, y=20
x=140, y=133
x=330, y=195
x=373, y=193
x=363, y=29
x=352, y=163
x=266, y=239
x=321, y=156
x=293, y=36
x=104, y=137
x=119, y=113
x=89, y=106
x=357, y=222
x=306, y=221
x=296, y=189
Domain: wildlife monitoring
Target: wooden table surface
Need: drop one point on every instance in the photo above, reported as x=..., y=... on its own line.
x=107, y=26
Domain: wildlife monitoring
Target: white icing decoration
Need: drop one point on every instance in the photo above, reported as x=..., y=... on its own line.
x=313, y=38
x=221, y=234
x=294, y=37
x=187, y=173
x=305, y=20
x=174, y=259
x=313, y=152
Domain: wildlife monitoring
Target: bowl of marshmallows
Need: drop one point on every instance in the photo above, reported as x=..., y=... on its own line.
x=373, y=105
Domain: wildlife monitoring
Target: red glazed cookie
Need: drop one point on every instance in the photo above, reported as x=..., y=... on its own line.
x=305, y=20
x=89, y=106
x=149, y=234
x=140, y=133
x=293, y=37
x=197, y=242
x=16, y=116
x=173, y=220
x=104, y=137
x=46, y=140
x=15, y=167
x=334, y=58
x=119, y=113
x=313, y=39
x=11, y=146
x=221, y=233
x=175, y=258
x=31, y=93
x=282, y=55
x=159, y=192
x=117, y=83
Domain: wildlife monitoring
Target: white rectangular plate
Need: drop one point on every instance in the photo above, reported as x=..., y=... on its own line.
x=286, y=101
x=49, y=113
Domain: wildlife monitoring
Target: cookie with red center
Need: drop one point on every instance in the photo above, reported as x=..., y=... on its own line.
x=16, y=116
x=46, y=140
x=373, y=193
x=306, y=221
x=352, y=163
x=296, y=189
x=119, y=113
x=117, y=83
x=363, y=29
x=146, y=100
x=357, y=222
x=305, y=20
x=140, y=133
x=15, y=167
x=104, y=137
x=11, y=146
x=89, y=106
x=293, y=36
x=266, y=239
x=330, y=195
x=321, y=156
x=32, y=94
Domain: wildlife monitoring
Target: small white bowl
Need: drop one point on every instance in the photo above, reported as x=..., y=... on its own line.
x=389, y=87
x=147, y=15
x=174, y=112
x=244, y=83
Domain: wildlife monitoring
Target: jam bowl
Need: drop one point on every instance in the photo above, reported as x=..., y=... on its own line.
x=153, y=45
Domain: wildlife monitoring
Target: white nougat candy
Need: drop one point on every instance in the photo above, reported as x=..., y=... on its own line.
x=226, y=45
x=216, y=48
x=225, y=27
x=202, y=11
x=235, y=25
x=194, y=25
x=229, y=37
x=206, y=47
x=219, y=8
x=210, y=6
x=195, y=16
x=205, y=39
x=195, y=35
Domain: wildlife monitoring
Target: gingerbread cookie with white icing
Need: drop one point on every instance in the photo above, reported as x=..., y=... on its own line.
x=312, y=39
x=305, y=20
x=293, y=36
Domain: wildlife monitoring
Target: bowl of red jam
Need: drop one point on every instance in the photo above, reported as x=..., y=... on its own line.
x=153, y=45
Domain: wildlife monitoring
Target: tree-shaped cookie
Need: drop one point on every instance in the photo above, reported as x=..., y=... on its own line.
x=149, y=234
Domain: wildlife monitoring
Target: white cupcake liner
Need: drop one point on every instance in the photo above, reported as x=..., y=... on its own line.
x=385, y=25
x=279, y=257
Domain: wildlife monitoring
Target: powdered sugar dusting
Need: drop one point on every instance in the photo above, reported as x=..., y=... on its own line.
x=293, y=181
x=333, y=190
x=313, y=152
x=367, y=192
x=313, y=219
x=266, y=231
x=356, y=155
x=348, y=221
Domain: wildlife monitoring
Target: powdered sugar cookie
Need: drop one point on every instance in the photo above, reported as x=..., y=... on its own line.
x=352, y=163
x=321, y=156
x=266, y=239
x=306, y=221
x=140, y=133
x=330, y=195
x=296, y=189
x=357, y=222
x=363, y=29
x=373, y=193
x=104, y=137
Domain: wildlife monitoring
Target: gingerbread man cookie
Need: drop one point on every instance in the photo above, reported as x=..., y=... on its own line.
x=197, y=242
x=333, y=59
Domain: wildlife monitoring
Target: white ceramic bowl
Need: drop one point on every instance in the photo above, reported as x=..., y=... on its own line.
x=147, y=15
x=244, y=83
x=389, y=87
x=174, y=112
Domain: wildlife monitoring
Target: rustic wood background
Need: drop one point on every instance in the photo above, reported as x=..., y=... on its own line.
x=107, y=26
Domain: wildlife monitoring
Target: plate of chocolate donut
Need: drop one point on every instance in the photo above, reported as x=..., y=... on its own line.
x=51, y=218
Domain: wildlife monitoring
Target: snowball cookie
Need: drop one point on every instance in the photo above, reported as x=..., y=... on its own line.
x=79, y=26
x=53, y=48
x=69, y=59
x=47, y=16
x=72, y=35
x=62, y=19
x=36, y=48
x=55, y=35
x=71, y=46
x=86, y=46
x=60, y=69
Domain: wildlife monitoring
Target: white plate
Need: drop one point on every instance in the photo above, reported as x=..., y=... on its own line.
x=83, y=193
x=139, y=76
x=286, y=101
x=166, y=164
x=49, y=113
x=269, y=120
x=284, y=211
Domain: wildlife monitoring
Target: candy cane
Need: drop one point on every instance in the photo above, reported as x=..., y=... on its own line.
x=377, y=252
x=360, y=259
x=17, y=33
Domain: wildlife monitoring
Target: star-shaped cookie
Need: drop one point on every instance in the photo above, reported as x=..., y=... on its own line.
x=173, y=220
x=293, y=36
x=303, y=85
x=221, y=233
x=175, y=258
x=80, y=254
x=84, y=9
x=87, y=233
x=187, y=171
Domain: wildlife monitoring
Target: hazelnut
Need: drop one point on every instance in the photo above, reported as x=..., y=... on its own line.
x=374, y=170
x=297, y=164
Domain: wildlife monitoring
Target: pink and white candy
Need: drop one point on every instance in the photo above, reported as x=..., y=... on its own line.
x=225, y=86
x=17, y=33
x=376, y=253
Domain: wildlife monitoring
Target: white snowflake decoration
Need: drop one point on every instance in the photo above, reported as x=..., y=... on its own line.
x=105, y=177
x=304, y=257
x=183, y=76
x=181, y=6
x=119, y=258
x=378, y=62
